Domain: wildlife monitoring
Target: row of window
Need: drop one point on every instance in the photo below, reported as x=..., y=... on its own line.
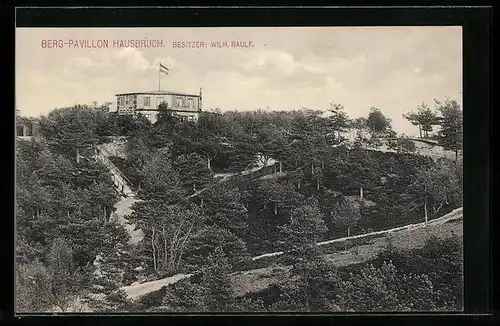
x=185, y=118
x=127, y=100
x=131, y=100
x=185, y=102
x=181, y=102
x=121, y=108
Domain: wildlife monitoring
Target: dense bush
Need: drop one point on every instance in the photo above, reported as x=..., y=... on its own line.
x=207, y=240
x=441, y=261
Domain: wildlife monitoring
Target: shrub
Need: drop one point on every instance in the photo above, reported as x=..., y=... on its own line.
x=152, y=299
x=184, y=296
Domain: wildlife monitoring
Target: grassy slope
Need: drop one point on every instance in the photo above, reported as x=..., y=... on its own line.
x=258, y=279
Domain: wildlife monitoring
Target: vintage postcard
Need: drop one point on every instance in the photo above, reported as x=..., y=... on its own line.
x=241, y=169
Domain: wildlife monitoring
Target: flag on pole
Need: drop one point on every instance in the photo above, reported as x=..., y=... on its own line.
x=164, y=69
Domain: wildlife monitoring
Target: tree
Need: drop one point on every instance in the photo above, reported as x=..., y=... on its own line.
x=184, y=296
x=424, y=118
x=167, y=229
x=450, y=136
x=345, y=213
x=209, y=238
x=193, y=172
x=223, y=205
x=71, y=129
x=298, y=177
x=137, y=153
x=311, y=288
x=207, y=136
x=62, y=271
x=33, y=288
x=161, y=181
x=402, y=144
x=436, y=186
x=340, y=120
x=167, y=128
x=377, y=122
x=441, y=259
x=309, y=137
x=384, y=289
x=278, y=195
x=165, y=116
x=305, y=227
x=219, y=292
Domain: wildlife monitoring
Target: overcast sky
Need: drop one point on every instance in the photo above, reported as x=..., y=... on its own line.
x=392, y=68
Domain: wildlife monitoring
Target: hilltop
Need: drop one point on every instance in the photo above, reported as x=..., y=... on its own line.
x=212, y=201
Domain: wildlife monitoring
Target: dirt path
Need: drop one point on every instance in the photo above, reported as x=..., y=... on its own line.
x=259, y=279
x=135, y=291
x=123, y=208
x=409, y=236
x=453, y=215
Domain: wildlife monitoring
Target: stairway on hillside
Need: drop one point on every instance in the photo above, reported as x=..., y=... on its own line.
x=127, y=199
x=123, y=208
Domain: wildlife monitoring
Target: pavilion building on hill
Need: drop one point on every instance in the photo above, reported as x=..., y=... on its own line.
x=185, y=106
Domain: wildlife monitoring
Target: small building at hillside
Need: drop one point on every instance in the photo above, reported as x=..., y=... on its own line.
x=27, y=127
x=185, y=106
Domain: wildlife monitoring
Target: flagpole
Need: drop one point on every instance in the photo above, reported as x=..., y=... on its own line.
x=159, y=77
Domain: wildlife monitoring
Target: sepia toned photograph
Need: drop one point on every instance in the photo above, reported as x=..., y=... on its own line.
x=239, y=170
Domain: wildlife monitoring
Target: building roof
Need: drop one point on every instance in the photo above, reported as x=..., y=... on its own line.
x=158, y=93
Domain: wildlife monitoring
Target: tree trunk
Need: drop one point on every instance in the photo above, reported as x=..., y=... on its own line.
x=188, y=233
x=77, y=155
x=348, y=231
x=425, y=210
x=201, y=203
x=312, y=168
x=153, y=248
x=157, y=257
x=208, y=163
x=322, y=164
x=281, y=167
x=164, y=246
x=420, y=130
x=275, y=168
x=298, y=184
x=275, y=208
x=104, y=210
x=456, y=155
x=360, y=193
x=317, y=184
x=173, y=244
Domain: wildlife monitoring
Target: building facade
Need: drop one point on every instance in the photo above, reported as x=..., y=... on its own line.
x=185, y=106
